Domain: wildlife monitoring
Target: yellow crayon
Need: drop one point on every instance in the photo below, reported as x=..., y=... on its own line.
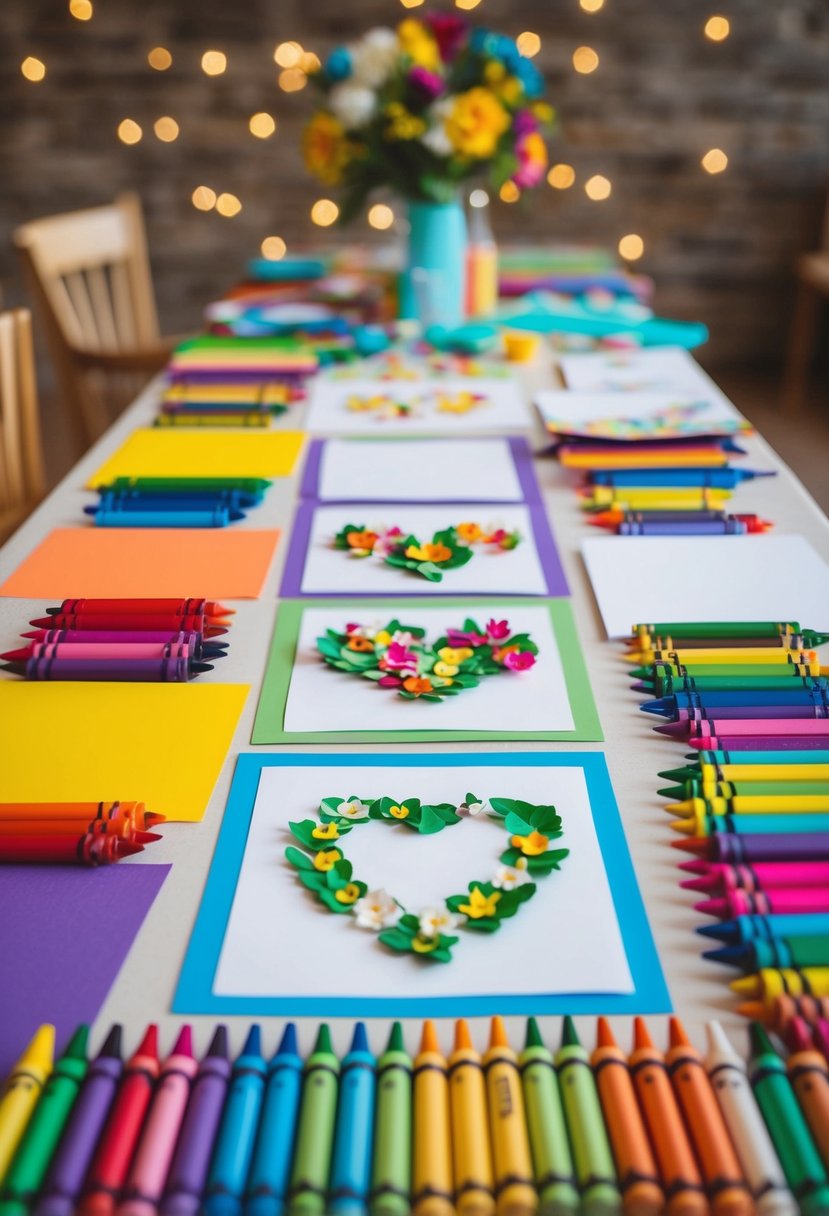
x=764, y=772
x=22, y=1090
x=748, y=804
x=747, y=655
x=432, y=1146
x=514, y=1189
x=772, y=982
x=471, y=1157
x=644, y=498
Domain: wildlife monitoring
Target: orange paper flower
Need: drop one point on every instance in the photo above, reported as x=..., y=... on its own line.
x=417, y=685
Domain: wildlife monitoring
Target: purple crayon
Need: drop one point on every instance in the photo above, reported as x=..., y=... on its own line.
x=65, y=1179
x=773, y=846
x=164, y=671
x=683, y=716
x=188, y=1172
x=759, y=743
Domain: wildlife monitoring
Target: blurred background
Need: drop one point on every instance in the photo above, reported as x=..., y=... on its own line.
x=693, y=138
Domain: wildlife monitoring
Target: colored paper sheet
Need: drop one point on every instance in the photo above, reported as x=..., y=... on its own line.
x=615, y=415
x=263, y=946
x=305, y=701
x=662, y=369
x=315, y=568
x=425, y=470
x=66, y=933
x=108, y=563
x=502, y=407
x=154, y=452
x=706, y=578
x=160, y=744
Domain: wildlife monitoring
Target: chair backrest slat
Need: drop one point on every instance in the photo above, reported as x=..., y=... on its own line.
x=21, y=459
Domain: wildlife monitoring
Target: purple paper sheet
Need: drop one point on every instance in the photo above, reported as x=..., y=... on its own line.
x=521, y=455
x=291, y=588
x=65, y=934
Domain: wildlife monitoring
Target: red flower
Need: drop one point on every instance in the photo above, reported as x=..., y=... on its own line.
x=449, y=32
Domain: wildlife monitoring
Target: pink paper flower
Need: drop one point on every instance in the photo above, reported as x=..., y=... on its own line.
x=519, y=660
x=398, y=658
x=387, y=541
x=428, y=84
x=531, y=153
x=458, y=638
x=390, y=682
x=524, y=122
x=497, y=630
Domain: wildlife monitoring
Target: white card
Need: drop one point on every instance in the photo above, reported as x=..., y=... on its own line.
x=503, y=407
x=580, y=409
x=424, y=470
x=280, y=942
x=320, y=698
x=659, y=369
x=706, y=578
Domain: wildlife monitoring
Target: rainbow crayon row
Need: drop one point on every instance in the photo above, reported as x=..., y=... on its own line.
x=751, y=805
x=496, y=1133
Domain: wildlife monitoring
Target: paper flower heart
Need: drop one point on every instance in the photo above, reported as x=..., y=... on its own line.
x=324, y=870
x=399, y=657
x=448, y=549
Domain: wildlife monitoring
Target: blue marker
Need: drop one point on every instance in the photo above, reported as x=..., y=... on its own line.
x=727, y=478
x=668, y=706
x=354, y=1130
x=271, y=1166
x=240, y=1119
x=745, y=929
x=219, y=517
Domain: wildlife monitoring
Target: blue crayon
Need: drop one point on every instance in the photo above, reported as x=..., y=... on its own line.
x=168, y=502
x=668, y=706
x=727, y=478
x=354, y=1130
x=219, y=517
x=745, y=929
x=176, y=495
x=766, y=825
x=237, y=1133
x=271, y=1166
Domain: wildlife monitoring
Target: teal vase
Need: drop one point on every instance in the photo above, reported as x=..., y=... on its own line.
x=432, y=287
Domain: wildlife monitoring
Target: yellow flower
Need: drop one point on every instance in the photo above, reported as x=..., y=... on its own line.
x=469, y=532
x=402, y=123
x=349, y=894
x=532, y=845
x=425, y=945
x=476, y=123
x=494, y=72
x=399, y=812
x=543, y=112
x=325, y=148
x=416, y=42
x=510, y=90
x=326, y=859
x=451, y=655
x=445, y=669
x=383, y=638
x=429, y=553
x=480, y=905
x=326, y=831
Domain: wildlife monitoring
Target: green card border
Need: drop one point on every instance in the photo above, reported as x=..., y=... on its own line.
x=279, y=670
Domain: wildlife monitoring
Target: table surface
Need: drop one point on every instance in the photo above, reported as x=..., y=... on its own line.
x=144, y=988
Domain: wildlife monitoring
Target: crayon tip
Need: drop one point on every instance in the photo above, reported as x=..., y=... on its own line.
x=724, y=932
x=676, y=1033
x=717, y=1040
x=124, y=849
x=112, y=1043
x=323, y=1043
x=41, y=1049
x=754, y=1010
x=678, y=774
x=698, y=845
x=19, y=669
x=253, y=1043
x=145, y=837
x=183, y=1045
x=569, y=1034
x=359, y=1039
x=798, y=1036
x=694, y=867
x=747, y=985
x=707, y=882
x=604, y=1034
x=396, y=1041
x=533, y=1034
x=77, y=1045
x=218, y=1044
x=288, y=1045
x=761, y=1044
x=686, y=827
x=671, y=791
x=463, y=1039
x=654, y=707
x=149, y=1044
x=731, y=956
x=641, y=1034
x=498, y=1033
x=712, y=907
x=429, y=1037
x=16, y=656
x=154, y=817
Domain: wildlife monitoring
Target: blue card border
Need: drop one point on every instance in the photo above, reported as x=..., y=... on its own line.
x=194, y=992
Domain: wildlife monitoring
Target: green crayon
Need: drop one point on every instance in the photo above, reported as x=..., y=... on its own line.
x=391, y=1178
x=249, y=485
x=696, y=788
x=593, y=1157
x=34, y=1153
x=716, y=629
x=788, y=1129
x=315, y=1134
x=552, y=1161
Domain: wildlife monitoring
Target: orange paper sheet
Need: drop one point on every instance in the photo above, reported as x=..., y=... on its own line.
x=220, y=563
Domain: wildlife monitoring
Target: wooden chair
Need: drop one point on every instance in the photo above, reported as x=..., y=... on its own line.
x=89, y=274
x=22, y=483
x=812, y=272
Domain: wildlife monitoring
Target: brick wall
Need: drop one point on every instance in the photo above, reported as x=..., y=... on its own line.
x=720, y=248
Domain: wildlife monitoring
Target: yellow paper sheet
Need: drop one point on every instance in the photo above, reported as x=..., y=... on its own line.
x=160, y=452
x=161, y=744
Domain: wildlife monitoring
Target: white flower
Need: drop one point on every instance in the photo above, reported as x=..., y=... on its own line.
x=353, y=810
x=473, y=808
x=435, y=137
x=509, y=877
x=353, y=104
x=434, y=921
x=376, y=910
x=374, y=57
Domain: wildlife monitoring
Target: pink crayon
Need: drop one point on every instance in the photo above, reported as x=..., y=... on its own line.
x=820, y=1034
x=782, y=902
x=151, y=1163
x=763, y=727
x=760, y=876
x=100, y=650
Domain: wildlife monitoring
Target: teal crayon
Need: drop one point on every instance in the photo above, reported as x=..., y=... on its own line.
x=592, y=1155
x=751, y=825
x=391, y=1181
x=315, y=1132
x=778, y=953
x=270, y=1168
x=752, y=928
x=770, y=756
x=233, y=1149
x=350, y=1181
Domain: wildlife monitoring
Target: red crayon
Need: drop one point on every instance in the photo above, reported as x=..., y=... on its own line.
x=151, y=607
x=112, y=1161
x=116, y=829
x=65, y=850
x=783, y=902
x=777, y=1012
x=135, y=620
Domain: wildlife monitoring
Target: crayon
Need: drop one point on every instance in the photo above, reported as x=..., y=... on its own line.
x=700, y=720
x=613, y=517
x=21, y=1091
x=165, y=671
x=804, y=804
x=154, y=607
x=728, y=789
x=733, y=849
x=165, y=485
x=592, y=1155
x=121, y=828
x=809, y=1076
x=392, y=1169
x=114, y=1150
x=110, y=650
x=672, y=1149
x=723, y=478
x=779, y=953
x=84, y=812
x=353, y=1133
x=169, y=622
x=797, y=742
x=755, y=728
x=773, y=757
x=639, y=1182
x=731, y=526
x=552, y=1162
x=767, y=928
x=748, y=1132
x=432, y=1144
x=667, y=684
x=744, y=903
x=190, y=418
x=787, y=1127
x=737, y=774
x=787, y=824
x=270, y=1167
x=471, y=1157
x=515, y=1193
x=718, y=629
x=88, y=850
x=721, y=1171
x=690, y=706
x=588, y=456
x=771, y=982
x=761, y=876
x=127, y=637
x=219, y=517
x=644, y=498
x=766, y=673
x=806, y=639
x=820, y=1033
x=777, y=1012
x=773, y=656
x=315, y=1133
x=181, y=499
x=233, y=1150
x=188, y=1171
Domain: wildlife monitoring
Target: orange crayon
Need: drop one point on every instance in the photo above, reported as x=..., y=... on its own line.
x=638, y=1176
x=675, y=1157
x=809, y=1076
x=721, y=1171
x=776, y=1012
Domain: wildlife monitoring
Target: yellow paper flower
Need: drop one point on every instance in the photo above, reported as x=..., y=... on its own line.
x=532, y=845
x=480, y=905
x=325, y=148
x=326, y=831
x=399, y=812
x=425, y=945
x=445, y=669
x=469, y=532
x=383, y=638
x=416, y=42
x=476, y=123
x=450, y=654
x=326, y=859
x=510, y=90
x=429, y=553
x=349, y=894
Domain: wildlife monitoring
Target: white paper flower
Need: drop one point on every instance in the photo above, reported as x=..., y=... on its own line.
x=435, y=137
x=374, y=57
x=473, y=808
x=377, y=910
x=353, y=104
x=509, y=877
x=433, y=921
x=353, y=810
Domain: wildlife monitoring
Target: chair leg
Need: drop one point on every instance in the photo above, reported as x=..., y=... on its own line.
x=801, y=346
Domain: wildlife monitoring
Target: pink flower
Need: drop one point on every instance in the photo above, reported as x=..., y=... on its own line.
x=398, y=658
x=387, y=541
x=497, y=630
x=531, y=153
x=390, y=682
x=428, y=84
x=519, y=660
x=457, y=638
x=524, y=122
x=449, y=31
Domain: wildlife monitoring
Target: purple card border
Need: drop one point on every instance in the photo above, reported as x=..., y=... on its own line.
x=291, y=587
x=519, y=447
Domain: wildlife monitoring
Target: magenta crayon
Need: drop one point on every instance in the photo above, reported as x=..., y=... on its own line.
x=785, y=902
x=154, y=1152
x=763, y=876
x=163, y=671
x=752, y=743
x=128, y=604
x=820, y=1034
x=764, y=727
x=103, y=651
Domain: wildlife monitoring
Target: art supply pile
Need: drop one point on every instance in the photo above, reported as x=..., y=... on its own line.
x=74, y=833
x=176, y=502
x=481, y=1133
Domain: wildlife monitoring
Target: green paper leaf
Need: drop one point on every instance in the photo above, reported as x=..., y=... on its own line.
x=395, y=939
x=300, y=861
x=312, y=879
x=430, y=822
x=546, y=861
x=516, y=826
